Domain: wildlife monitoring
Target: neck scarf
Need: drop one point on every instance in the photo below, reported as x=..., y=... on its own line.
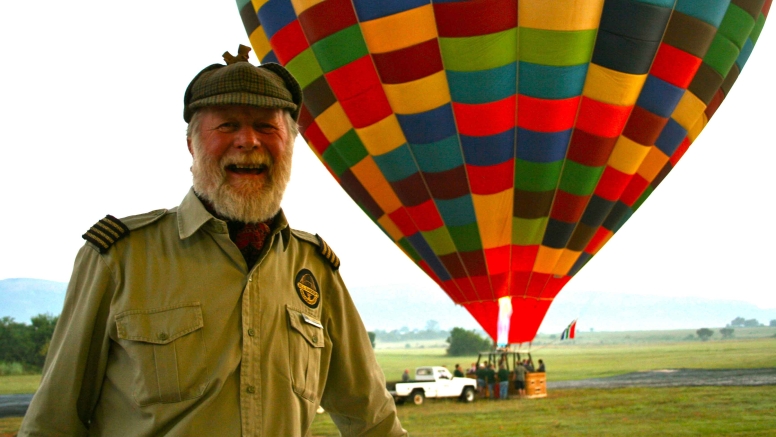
x=248, y=237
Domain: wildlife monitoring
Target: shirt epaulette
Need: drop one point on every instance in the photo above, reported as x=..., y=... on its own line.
x=106, y=232
x=323, y=248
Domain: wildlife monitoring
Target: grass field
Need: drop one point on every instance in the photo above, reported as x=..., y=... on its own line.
x=570, y=362
x=712, y=411
x=729, y=411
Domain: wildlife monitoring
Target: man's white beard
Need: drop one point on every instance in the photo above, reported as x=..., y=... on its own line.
x=250, y=201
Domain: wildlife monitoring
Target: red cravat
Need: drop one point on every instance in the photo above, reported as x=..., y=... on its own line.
x=250, y=239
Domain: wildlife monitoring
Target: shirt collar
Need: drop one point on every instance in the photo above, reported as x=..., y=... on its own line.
x=192, y=215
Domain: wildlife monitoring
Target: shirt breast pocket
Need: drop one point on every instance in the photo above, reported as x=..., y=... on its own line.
x=305, y=342
x=167, y=352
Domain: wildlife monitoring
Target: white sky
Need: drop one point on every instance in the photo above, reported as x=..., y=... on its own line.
x=92, y=124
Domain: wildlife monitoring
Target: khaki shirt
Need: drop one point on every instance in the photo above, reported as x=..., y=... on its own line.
x=168, y=333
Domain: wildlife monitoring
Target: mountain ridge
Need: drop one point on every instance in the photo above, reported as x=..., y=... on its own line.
x=392, y=306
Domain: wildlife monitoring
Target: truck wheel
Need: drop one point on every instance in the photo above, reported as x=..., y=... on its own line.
x=418, y=397
x=467, y=395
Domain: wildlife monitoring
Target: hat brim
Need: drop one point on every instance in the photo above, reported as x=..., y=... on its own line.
x=242, y=98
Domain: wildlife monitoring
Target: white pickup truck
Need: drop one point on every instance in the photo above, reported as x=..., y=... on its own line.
x=433, y=382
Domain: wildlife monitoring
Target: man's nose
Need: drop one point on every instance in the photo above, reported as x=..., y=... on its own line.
x=247, y=139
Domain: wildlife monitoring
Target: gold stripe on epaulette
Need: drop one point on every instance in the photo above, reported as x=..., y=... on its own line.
x=107, y=229
x=111, y=227
x=96, y=240
x=327, y=253
x=106, y=232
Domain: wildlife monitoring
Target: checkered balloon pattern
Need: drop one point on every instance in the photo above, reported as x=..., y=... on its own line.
x=501, y=143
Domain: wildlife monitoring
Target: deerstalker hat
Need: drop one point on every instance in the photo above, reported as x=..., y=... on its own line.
x=239, y=82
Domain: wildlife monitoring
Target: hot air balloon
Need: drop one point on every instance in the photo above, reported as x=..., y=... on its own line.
x=501, y=143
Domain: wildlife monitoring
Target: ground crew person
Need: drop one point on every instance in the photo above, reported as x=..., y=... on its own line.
x=214, y=317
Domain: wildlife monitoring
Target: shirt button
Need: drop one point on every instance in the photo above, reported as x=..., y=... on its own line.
x=315, y=339
x=250, y=279
x=251, y=389
x=162, y=336
x=251, y=332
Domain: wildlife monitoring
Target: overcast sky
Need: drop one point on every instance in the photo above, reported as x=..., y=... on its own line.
x=92, y=125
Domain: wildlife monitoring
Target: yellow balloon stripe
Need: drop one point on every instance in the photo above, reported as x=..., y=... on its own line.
x=653, y=164
x=566, y=261
x=494, y=218
x=613, y=87
x=688, y=110
x=258, y=4
x=546, y=259
x=333, y=122
x=302, y=5
x=370, y=176
x=560, y=14
x=401, y=30
x=419, y=95
x=391, y=229
x=627, y=155
x=382, y=137
x=260, y=42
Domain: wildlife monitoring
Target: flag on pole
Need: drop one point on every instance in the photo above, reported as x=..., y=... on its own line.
x=570, y=331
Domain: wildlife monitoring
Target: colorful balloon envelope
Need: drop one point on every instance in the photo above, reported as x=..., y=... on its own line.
x=501, y=143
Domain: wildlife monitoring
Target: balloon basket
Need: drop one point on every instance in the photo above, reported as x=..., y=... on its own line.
x=535, y=385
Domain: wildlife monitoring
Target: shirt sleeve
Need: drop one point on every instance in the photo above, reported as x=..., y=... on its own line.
x=355, y=395
x=75, y=364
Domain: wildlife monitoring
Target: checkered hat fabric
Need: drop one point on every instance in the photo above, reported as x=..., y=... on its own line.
x=269, y=85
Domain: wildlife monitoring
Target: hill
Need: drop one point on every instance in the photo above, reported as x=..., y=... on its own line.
x=390, y=307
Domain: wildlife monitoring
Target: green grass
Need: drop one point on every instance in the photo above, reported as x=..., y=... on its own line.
x=572, y=361
x=627, y=412
x=19, y=384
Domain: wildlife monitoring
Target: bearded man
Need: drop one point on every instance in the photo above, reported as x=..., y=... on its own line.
x=214, y=317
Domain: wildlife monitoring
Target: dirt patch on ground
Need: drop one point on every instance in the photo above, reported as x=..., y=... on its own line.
x=676, y=378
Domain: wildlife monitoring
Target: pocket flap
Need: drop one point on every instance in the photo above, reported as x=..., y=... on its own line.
x=310, y=328
x=159, y=325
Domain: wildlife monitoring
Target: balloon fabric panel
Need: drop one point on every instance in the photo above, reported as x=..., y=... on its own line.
x=501, y=143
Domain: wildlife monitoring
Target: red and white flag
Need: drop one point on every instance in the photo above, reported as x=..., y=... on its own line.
x=570, y=331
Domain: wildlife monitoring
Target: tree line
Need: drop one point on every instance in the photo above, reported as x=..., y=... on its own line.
x=727, y=332
x=26, y=344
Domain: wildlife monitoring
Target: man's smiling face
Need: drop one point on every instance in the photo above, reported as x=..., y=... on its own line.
x=242, y=159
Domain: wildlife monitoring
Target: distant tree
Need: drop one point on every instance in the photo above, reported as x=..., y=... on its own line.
x=372, y=337
x=463, y=342
x=42, y=329
x=704, y=333
x=773, y=323
x=751, y=323
x=26, y=344
x=727, y=332
x=738, y=322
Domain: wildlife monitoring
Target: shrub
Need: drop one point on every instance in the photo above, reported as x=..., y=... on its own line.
x=704, y=333
x=463, y=342
x=14, y=368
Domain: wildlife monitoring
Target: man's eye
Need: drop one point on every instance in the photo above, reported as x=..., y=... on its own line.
x=227, y=127
x=265, y=128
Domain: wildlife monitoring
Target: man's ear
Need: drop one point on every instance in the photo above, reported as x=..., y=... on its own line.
x=188, y=144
